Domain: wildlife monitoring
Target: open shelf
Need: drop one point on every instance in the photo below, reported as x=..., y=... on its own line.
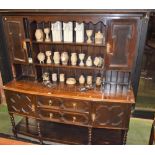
x=68, y=66
x=54, y=132
x=68, y=43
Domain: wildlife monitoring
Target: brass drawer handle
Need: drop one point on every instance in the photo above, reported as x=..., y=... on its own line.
x=74, y=105
x=51, y=115
x=74, y=119
x=93, y=117
x=50, y=102
x=33, y=108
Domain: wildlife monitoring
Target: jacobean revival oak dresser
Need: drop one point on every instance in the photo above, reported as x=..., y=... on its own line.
x=73, y=73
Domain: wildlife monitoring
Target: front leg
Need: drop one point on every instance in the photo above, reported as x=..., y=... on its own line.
x=13, y=125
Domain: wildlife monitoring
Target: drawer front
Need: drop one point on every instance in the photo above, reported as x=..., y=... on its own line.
x=111, y=115
x=20, y=103
x=65, y=104
x=82, y=119
x=65, y=117
x=76, y=105
x=50, y=102
x=50, y=115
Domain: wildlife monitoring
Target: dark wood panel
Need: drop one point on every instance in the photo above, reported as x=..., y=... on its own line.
x=111, y=115
x=15, y=35
x=122, y=36
x=20, y=103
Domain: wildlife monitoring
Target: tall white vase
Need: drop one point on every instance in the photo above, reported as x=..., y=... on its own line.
x=56, y=31
x=68, y=31
x=79, y=29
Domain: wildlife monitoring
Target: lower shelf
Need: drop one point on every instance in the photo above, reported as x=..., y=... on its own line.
x=60, y=133
x=69, y=134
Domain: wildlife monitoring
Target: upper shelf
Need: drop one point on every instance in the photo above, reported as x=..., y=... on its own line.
x=68, y=43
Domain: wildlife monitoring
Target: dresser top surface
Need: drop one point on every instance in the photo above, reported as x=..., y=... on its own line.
x=67, y=92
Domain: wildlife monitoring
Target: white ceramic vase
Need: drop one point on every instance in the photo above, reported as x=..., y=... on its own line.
x=89, y=62
x=89, y=34
x=89, y=80
x=41, y=57
x=62, y=77
x=64, y=58
x=73, y=59
x=81, y=57
x=48, y=54
x=68, y=31
x=56, y=31
x=39, y=35
x=56, y=57
x=47, y=31
x=98, y=38
x=98, y=81
x=81, y=79
x=79, y=29
x=54, y=77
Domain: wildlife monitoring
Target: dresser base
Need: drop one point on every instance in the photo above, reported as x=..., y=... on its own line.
x=68, y=134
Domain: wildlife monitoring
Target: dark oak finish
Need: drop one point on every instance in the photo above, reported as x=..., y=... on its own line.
x=63, y=113
x=122, y=39
x=14, y=30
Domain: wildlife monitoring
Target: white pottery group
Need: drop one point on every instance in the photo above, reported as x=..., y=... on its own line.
x=64, y=58
x=71, y=81
x=67, y=28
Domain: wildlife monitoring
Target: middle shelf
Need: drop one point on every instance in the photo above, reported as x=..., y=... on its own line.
x=69, y=66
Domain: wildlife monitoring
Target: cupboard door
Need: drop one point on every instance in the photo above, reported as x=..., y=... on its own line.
x=14, y=30
x=20, y=103
x=121, y=45
x=111, y=115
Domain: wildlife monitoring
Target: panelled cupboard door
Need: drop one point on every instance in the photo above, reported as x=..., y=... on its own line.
x=111, y=115
x=121, y=44
x=14, y=30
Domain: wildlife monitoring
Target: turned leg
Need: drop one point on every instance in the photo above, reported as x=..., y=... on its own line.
x=39, y=132
x=27, y=123
x=13, y=125
x=89, y=135
x=125, y=137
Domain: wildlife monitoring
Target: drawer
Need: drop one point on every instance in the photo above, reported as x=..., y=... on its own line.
x=51, y=102
x=65, y=104
x=114, y=115
x=76, y=105
x=50, y=115
x=62, y=116
x=20, y=103
x=82, y=119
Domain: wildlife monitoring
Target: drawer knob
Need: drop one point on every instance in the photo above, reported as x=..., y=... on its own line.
x=51, y=115
x=50, y=102
x=93, y=117
x=74, y=119
x=33, y=108
x=74, y=105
